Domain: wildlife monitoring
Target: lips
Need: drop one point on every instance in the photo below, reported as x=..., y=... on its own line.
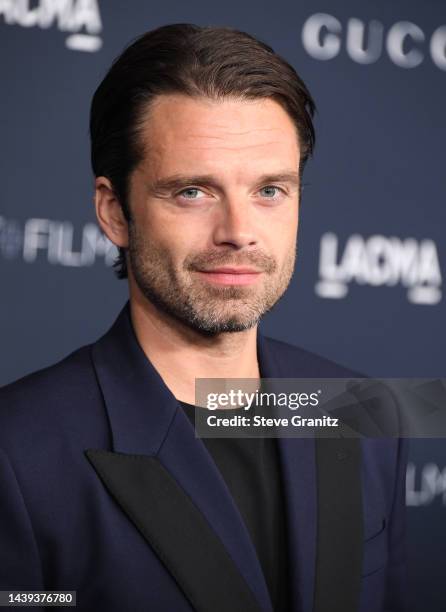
x=227, y=270
x=231, y=276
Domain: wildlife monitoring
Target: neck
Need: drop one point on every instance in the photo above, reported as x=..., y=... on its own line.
x=180, y=354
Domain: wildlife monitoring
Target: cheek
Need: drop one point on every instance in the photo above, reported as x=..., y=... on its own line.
x=157, y=231
x=174, y=227
x=282, y=231
x=175, y=243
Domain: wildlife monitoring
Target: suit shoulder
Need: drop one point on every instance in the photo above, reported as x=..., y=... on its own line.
x=298, y=362
x=66, y=372
x=51, y=399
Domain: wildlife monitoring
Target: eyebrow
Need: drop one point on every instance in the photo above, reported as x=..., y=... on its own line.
x=178, y=181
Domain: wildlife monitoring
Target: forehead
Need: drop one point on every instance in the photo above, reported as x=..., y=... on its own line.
x=220, y=134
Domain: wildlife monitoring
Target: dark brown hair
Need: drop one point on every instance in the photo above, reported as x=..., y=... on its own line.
x=192, y=60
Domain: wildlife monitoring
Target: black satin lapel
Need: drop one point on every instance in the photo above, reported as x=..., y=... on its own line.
x=176, y=530
x=340, y=525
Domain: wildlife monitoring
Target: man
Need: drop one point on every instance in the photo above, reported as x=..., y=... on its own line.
x=199, y=140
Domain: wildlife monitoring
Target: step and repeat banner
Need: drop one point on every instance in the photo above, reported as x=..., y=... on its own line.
x=368, y=287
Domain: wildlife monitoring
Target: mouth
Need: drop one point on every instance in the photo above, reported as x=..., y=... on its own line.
x=231, y=276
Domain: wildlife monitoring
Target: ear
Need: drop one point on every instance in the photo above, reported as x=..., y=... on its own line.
x=109, y=212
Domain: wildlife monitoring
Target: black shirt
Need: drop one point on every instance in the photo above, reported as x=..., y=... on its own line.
x=251, y=470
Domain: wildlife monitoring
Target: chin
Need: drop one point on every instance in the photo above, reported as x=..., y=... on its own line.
x=219, y=327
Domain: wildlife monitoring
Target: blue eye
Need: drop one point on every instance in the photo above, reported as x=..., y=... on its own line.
x=191, y=193
x=270, y=191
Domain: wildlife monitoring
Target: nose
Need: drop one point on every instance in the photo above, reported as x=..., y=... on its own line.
x=235, y=224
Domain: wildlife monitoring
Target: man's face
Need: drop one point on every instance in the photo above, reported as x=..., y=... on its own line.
x=214, y=210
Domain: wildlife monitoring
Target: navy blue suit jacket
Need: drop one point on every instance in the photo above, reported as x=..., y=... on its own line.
x=104, y=489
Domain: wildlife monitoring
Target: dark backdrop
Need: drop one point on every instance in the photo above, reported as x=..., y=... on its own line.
x=368, y=285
